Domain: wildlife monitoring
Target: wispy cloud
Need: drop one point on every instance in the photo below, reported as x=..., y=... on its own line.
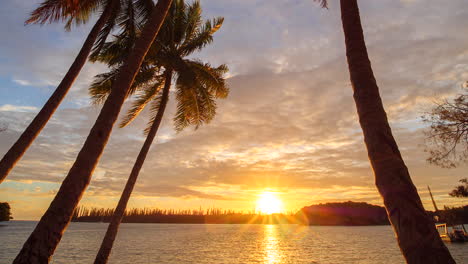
x=22, y=82
x=289, y=123
x=17, y=108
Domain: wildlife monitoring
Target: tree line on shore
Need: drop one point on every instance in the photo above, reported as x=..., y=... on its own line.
x=209, y=216
x=5, y=212
x=324, y=214
x=148, y=53
x=347, y=213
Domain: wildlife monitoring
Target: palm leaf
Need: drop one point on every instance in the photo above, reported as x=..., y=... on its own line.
x=154, y=109
x=140, y=103
x=69, y=11
x=194, y=20
x=100, y=88
x=211, y=78
x=323, y=3
x=202, y=37
x=104, y=33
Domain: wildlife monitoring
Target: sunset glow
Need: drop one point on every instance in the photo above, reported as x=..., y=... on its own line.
x=269, y=203
x=288, y=129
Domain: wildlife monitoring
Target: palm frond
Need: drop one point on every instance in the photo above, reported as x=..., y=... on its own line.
x=69, y=11
x=127, y=20
x=52, y=11
x=179, y=19
x=202, y=37
x=140, y=103
x=101, y=86
x=194, y=20
x=83, y=13
x=323, y=3
x=210, y=78
x=188, y=111
x=130, y=18
x=154, y=109
x=144, y=9
x=104, y=33
x=198, y=84
x=195, y=102
x=206, y=103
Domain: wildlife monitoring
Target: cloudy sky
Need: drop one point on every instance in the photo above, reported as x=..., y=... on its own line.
x=288, y=126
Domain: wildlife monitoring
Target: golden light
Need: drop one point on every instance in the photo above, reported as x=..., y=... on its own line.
x=269, y=203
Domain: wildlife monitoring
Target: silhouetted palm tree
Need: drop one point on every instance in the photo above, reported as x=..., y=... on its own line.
x=417, y=237
x=43, y=241
x=114, y=12
x=197, y=85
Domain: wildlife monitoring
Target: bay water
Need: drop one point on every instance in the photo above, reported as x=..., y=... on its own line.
x=227, y=244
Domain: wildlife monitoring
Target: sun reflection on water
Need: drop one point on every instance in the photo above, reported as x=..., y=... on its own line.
x=271, y=248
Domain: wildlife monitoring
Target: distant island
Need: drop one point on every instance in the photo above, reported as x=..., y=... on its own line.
x=346, y=213
x=343, y=214
x=5, y=212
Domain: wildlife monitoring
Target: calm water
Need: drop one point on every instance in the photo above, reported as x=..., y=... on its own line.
x=181, y=243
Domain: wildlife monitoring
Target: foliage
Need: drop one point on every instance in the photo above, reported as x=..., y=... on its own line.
x=454, y=215
x=345, y=213
x=125, y=15
x=447, y=137
x=200, y=216
x=323, y=3
x=69, y=11
x=461, y=190
x=5, y=212
x=197, y=83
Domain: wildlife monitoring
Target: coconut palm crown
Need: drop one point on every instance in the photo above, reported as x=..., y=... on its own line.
x=123, y=14
x=197, y=84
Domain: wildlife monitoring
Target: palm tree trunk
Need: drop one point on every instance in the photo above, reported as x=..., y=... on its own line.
x=44, y=239
x=417, y=237
x=106, y=245
x=18, y=149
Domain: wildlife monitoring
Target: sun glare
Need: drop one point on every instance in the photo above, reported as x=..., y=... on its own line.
x=269, y=203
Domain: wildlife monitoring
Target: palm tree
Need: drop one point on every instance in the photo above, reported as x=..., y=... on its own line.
x=417, y=237
x=43, y=241
x=74, y=12
x=197, y=85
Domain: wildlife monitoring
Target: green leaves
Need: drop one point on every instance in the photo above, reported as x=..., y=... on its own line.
x=139, y=104
x=197, y=84
x=323, y=3
x=201, y=37
x=69, y=11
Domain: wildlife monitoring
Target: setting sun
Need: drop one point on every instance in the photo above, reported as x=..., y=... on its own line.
x=269, y=203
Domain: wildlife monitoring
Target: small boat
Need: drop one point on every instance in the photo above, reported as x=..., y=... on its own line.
x=456, y=233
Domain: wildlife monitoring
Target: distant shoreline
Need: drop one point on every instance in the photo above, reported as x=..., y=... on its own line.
x=330, y=214
x=174, y=223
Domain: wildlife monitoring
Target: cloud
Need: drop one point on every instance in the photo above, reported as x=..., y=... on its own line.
x=22, y=82
x=17, y=108
x=290, y=122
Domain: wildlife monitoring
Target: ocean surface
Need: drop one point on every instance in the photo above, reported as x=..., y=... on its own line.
x=192, y=243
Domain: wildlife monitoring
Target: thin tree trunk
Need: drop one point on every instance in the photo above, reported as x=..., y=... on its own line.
x=108, y=241
x=44, y=239
x=18, y=149
x=417, y=237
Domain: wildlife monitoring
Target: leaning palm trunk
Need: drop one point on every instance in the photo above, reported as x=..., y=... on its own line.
x=18, y=149
x=108, y=241
x=417, y=237
x=43, y=241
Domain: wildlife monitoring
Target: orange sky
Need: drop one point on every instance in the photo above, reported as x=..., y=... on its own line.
x=288, y=126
